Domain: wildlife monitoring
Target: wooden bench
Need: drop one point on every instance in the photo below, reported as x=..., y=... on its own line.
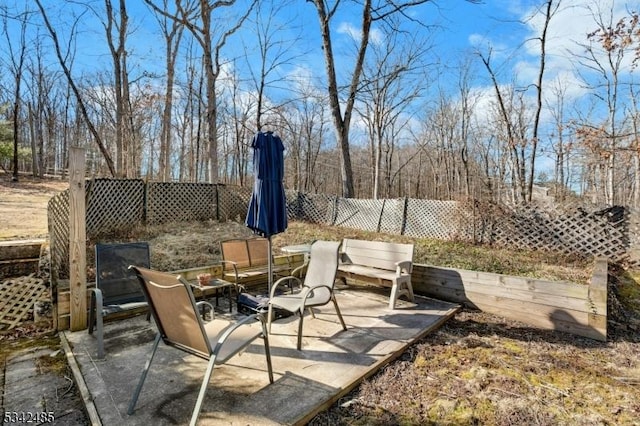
x=245, y=262
x=381, y=263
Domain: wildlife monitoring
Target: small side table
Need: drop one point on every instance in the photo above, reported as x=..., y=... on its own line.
x=213, y=288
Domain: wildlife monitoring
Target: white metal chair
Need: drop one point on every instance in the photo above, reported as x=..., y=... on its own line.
x=317, y=288
x=180, y=326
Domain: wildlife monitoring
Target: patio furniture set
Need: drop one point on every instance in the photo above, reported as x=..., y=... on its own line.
x=178, y=305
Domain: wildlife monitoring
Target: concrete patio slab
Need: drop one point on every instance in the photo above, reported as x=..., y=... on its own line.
x=330, y=364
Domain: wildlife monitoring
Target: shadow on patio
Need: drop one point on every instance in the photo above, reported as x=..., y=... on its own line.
x=331, y=363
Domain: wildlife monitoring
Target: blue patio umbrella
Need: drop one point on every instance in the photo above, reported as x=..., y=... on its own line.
x=267, y=213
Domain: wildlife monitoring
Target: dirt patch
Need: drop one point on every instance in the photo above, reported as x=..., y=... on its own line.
x=23, y=206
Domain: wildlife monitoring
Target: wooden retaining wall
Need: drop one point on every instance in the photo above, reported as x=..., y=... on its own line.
x=19, y=258
x=574, y=308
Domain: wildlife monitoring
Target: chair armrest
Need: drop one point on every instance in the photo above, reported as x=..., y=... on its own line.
x=97, y=298
x=306, y=291
x=232, y=263
x=209, y=305
x=233, y=328
x=299, y=271
x=404, y=267
x=282, y=281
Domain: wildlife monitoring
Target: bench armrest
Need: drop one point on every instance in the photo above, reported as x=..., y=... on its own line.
x=232, y=263
x=404, y=267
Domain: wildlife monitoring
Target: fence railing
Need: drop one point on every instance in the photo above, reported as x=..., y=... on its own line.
x=113, y=204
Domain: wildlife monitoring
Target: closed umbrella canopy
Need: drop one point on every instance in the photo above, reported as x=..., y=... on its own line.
x=267, y=214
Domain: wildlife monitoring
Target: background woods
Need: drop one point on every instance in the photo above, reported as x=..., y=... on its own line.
x=368, y=101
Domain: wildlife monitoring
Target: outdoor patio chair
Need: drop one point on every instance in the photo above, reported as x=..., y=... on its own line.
x=117, y=291
x=180, y=326
x=317, y=288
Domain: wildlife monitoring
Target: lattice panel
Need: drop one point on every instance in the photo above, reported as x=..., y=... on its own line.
x=233, y=202
x=432, y=219
x=314, y=208
x=359, y=214
x=17, y=297
x=594, y=234
x=58, y=218
x=114, y=204
x=180, y=202
x=392, y=218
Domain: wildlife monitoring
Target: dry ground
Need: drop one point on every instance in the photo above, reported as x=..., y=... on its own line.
x=476, y=369
x=23, y=212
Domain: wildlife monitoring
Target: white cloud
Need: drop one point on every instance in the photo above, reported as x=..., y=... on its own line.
x=355, y=33
x=568, y=29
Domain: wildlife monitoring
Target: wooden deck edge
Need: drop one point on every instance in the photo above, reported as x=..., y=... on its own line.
x=303, y=420
x=87, y=399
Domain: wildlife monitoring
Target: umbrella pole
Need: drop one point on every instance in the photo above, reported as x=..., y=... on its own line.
x=270, y=263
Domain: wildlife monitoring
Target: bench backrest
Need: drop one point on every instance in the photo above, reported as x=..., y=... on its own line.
x=376, y=254
x=246, y=253
x=117, y=282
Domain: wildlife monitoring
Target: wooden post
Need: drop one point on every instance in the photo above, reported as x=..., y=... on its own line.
x=77, y=240
x=598, y=298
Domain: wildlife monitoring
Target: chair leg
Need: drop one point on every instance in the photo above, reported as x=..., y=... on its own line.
x=100, y=331
x=92, y=312
x=301, y=313
x=267, y=351
x=394, y=295
x=136, y=393
x=335, y=303
x=99, y=322
x=203, y=391
x=269, y=316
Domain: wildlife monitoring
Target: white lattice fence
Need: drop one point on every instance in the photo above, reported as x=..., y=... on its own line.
x=358, y=214
x=577, y=232
x=113, y=204
x=433, y=219
x=314, y=208
x=58, y=223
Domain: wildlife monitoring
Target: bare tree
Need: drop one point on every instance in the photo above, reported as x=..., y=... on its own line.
x=550, y=7
x=304, y=122
x=386, y=96
x=197, y=16
x=17, y=56
x=172, y=31
x=506, y=107
x=274, y=52
x=603, y=58
x=64, y=61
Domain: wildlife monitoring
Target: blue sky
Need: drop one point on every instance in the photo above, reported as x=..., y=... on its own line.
x=458, y=28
